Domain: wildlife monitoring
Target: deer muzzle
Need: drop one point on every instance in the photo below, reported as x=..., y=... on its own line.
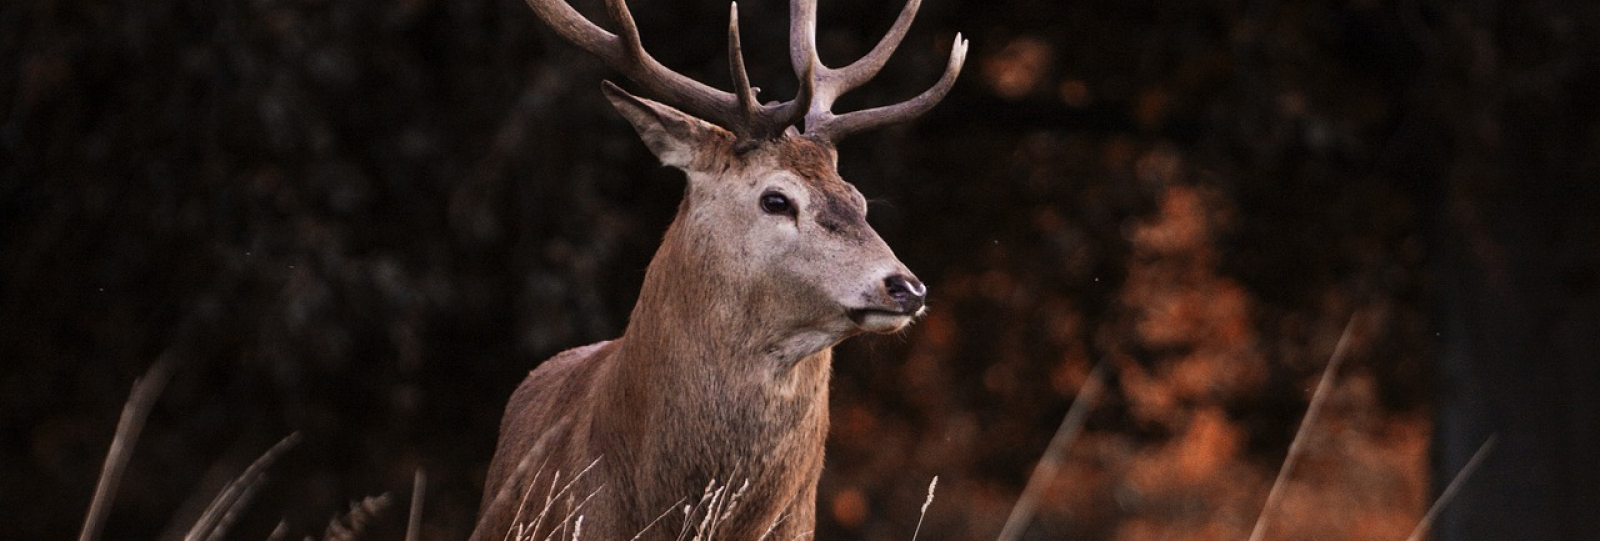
x=906, y=298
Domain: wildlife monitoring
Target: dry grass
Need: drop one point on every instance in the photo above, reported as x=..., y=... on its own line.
x=220, y=515
x=352, y=525
x=1072, y=423
x=561, y=511
x=1449, y=492
x=226, y=507
x=134, y=412
x=570, y=524
x=934, y=484
x=1306, y=422
x=1054, y=455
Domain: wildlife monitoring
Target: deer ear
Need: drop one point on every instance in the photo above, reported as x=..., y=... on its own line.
x=675, y=137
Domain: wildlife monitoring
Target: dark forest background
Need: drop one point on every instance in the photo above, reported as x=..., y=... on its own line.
x=366, y=221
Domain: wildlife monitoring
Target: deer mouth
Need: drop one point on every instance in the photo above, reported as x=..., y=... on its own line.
x=880, y=320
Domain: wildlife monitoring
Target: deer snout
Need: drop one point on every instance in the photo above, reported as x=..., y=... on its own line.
x=907, y=291
x=892, y=306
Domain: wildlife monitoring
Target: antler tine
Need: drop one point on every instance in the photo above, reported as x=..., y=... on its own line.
x=578, y=30
x=626, y=54
x=837, y=81
x=830, y=82
x=867, y=67
x=668, y=85
x=803, y=37
x=832, y=128
x=619, y=13
x=741, y=78
x=761, y=121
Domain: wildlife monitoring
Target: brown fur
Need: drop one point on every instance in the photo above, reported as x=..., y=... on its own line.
x=721, y=376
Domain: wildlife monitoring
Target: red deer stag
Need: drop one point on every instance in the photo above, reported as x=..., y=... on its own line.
x=711, y=410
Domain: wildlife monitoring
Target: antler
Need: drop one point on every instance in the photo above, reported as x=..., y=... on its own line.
x=625, y=53
x=739, y=111
x=830, y=83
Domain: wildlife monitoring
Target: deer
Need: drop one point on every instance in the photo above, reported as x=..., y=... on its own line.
x=711, y=408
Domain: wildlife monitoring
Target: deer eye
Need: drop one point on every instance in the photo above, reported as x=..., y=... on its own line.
x=776, y=203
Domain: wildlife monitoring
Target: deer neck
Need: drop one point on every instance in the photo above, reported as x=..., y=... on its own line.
x=696, y=319
x=701, y=352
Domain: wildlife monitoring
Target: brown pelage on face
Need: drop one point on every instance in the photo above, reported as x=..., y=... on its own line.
x=839, y=208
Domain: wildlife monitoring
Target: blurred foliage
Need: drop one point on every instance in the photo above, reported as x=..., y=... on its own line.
x=365, y=221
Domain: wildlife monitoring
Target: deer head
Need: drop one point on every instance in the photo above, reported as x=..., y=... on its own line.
x=766, y=216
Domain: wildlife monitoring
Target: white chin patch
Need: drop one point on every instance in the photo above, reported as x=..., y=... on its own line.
x=881, y=322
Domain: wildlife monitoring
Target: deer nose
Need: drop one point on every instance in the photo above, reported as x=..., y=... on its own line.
x=907, y=291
